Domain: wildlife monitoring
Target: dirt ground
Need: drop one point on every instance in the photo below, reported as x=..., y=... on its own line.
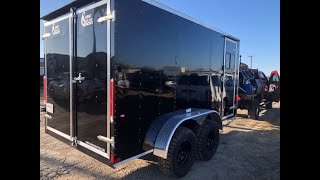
x=248, y=149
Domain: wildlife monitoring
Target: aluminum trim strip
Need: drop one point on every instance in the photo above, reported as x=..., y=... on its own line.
x=45, y=70
x=103, y=154
x=59, y=133
x=63, y=17
x=91, y=6
x=70, y=74
x=226, y=117
x=132, y=158
x=108, y=75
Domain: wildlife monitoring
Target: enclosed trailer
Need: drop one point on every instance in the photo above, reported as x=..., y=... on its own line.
x=128, y=78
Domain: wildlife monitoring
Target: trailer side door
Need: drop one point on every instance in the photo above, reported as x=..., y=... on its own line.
x=230, y=77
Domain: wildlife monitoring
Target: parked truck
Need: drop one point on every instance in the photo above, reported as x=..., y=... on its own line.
x=256, y=90
x=124, y=79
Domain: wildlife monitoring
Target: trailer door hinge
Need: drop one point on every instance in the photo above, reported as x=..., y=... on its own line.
x=107, y=18
x=74, y=141
x=46, y=35
x=107, y=140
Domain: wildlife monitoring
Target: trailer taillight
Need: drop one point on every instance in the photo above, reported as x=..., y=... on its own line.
x=114, y=161
x=44, y=89
x=111, y=99
x=238, y=98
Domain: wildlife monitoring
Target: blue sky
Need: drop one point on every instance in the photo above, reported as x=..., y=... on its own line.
x=256, y=23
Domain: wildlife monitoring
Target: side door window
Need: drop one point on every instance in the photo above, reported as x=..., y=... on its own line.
x=274, y=79
x=263, y=77
x=230, y=61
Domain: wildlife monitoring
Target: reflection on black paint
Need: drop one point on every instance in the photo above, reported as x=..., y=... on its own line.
x=57, y=57
x=153, y=49
x=229, y=85
x=59, y=88
x=161, y=63
x=198, y=90
x=166, y=39
x=91, y=62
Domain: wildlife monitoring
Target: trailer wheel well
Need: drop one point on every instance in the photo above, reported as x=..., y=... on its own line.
x=215, y=117
x=190, y=124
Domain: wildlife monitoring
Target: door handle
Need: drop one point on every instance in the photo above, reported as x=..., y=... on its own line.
x=79, y=78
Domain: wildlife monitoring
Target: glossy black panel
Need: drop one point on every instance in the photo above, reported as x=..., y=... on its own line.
x=91, y=62
x=58, y=75
x=162, y=63
x=230, y=93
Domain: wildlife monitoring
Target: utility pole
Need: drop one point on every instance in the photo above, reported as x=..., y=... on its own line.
x=250, y=61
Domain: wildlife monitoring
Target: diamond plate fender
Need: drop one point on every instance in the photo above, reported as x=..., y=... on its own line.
x=169, y=127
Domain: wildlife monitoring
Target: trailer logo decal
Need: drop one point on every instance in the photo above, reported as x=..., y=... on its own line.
x=86, y=20
x=55, y=29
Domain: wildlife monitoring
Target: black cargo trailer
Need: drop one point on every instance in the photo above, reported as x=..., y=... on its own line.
x=128, y=78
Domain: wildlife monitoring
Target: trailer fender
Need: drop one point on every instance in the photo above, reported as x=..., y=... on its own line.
x=215, y=117
x=165, y=134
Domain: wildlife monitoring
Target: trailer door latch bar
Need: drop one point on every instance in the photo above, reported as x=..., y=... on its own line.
x=106, y=18
x=107, y=140
x=47, y=116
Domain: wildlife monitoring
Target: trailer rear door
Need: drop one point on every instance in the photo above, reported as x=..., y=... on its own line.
x=77, y=56
x=57, y=64
x=90, y=70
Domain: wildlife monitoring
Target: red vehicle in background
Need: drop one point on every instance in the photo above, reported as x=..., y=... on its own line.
x=256, y=90
x=270, y=87
x=274, y=87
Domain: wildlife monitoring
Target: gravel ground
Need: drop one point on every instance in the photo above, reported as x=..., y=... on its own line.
x=248, y=149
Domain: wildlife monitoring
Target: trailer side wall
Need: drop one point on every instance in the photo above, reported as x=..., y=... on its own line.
x=161, y=64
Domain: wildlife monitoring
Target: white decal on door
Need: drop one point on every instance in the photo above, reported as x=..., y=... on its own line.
x=86, y=20
x=95, y=146
x=55, y=29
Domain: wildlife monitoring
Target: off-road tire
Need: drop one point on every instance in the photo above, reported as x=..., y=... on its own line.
x=207, y=140
x=170, y=166
x=254, y=110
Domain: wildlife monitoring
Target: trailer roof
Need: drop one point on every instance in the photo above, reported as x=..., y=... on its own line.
x=66, y=8
x=79, y=3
